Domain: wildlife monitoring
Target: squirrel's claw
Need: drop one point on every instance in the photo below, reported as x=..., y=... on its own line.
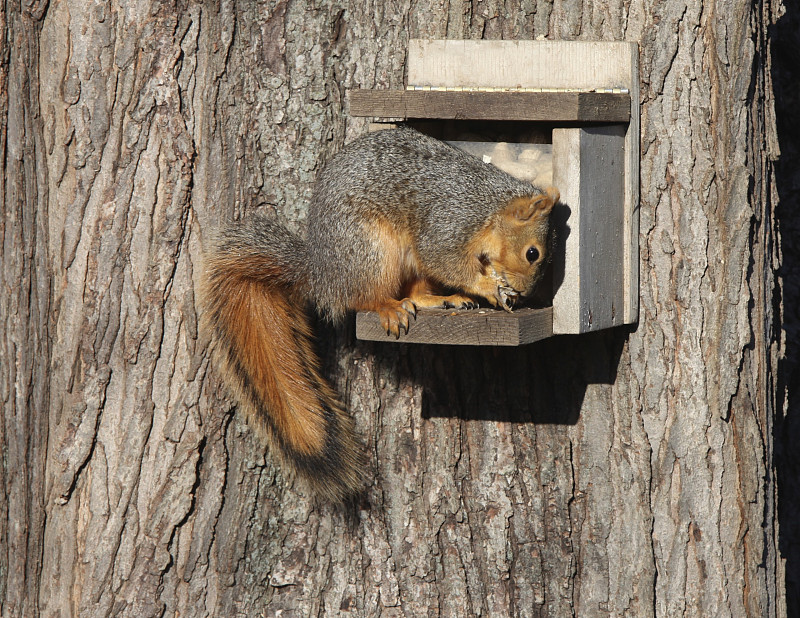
x=394, y=316
x=402, y=318
x=506, y=297
x=410, y=307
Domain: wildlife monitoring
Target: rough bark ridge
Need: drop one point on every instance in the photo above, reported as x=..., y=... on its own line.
x=623, y=473
x=24, y=311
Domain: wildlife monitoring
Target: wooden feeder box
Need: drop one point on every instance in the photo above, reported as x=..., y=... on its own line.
x=570, y=112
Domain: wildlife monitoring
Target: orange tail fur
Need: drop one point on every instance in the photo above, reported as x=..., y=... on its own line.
x=263, y=341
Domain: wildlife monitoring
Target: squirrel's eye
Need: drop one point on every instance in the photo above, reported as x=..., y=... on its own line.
x=532, y=254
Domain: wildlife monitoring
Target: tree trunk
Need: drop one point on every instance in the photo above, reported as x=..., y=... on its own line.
x=626, y=472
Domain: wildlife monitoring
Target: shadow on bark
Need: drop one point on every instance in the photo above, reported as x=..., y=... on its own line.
x=786, y=77
x=544, y=382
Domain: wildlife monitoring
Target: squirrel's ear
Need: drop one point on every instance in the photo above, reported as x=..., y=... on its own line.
x=523, y=208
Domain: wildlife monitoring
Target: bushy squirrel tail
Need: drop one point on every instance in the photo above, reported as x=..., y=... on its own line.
x=254, y=303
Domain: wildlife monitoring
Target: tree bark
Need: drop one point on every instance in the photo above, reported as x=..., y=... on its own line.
x=628, y=472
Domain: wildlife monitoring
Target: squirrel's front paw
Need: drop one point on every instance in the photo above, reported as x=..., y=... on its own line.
x=394, y=315
x=457, y=301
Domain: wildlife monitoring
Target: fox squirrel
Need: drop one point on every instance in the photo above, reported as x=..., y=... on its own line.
x=398, y=221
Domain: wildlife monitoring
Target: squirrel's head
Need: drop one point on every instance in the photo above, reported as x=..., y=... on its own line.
x=513, y=250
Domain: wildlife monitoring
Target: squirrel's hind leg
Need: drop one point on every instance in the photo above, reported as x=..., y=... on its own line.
x=383, y=291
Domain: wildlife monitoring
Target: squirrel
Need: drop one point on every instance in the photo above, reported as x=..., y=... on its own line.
x=398, y=221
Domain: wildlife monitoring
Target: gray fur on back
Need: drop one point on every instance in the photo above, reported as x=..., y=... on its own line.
x=441, y=194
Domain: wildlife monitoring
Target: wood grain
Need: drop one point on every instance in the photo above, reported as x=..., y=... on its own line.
x=464, y=327
x=533, y=106
x=584, y=65
x=589, y=170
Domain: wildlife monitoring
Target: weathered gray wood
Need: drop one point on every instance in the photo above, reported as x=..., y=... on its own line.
x=582, y=65
x=630, y=219
x=588, y=169
x=534, y=106
x=464, y=327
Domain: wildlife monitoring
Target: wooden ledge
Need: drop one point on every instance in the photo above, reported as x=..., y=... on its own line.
x=465, y=327
x=529, y=106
